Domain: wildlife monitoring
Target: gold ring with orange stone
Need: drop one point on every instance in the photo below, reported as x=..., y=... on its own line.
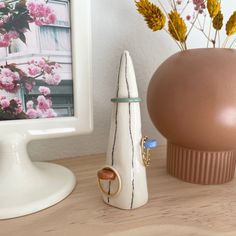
x=108, y=173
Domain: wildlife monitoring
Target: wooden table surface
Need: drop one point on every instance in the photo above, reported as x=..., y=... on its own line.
x=175, y=208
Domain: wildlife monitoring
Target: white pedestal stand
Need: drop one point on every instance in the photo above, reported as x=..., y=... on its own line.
x=27, y=187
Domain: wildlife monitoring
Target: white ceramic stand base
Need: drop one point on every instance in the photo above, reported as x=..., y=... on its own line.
x=27, y=187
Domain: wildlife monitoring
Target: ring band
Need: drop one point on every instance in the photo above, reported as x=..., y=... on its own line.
x=126, y=100
x=115, y=193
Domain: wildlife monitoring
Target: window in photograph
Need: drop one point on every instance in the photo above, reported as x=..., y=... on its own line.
x=56, y=37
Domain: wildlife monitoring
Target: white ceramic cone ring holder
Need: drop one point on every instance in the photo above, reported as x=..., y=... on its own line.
x=125, y=183
x=25, y=186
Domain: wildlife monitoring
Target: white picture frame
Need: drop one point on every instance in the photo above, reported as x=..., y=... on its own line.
x=27, y=187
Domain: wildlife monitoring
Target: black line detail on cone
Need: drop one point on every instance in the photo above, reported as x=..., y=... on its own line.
x=116, y=125
x=130, y=131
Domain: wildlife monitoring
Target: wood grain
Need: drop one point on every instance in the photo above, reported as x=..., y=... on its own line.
x=175, y=208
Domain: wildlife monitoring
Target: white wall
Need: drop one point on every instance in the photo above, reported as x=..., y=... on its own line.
x=116, y=26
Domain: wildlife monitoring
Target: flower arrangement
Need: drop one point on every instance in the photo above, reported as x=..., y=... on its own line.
x=15, y=19
x=174, y=21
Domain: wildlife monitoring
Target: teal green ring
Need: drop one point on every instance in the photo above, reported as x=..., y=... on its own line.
x=126, y=100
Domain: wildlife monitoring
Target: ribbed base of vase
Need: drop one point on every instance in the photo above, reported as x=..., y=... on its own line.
x=200, y=167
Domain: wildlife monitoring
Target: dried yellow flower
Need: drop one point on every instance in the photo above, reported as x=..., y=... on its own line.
x=213, y=7
x=231, y=25
x=177, y=26
x=218, y=21
x=153, y=15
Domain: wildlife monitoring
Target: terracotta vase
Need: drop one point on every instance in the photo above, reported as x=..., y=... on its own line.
x=192, y=102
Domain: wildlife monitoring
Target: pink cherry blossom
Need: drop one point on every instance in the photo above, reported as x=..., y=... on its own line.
x=8, y=80
x=49, y=79
x=4, y=43
x=31, y=62
x=57, y=66
x=44, y=90
x=41, y=98
x=44, y=67
x=47, y=68
x=51, y=19
x=13, y=34
x=52, y=79
x=5, y=103
x=42, y=63
x=38, y=12
x=7, y=38
x=7, y=83
x=41, y=13
x=43, y=103
x=30, y=104
x=19, y=109
x=6, y=72
x=50, y=113
x=12, y=78
x=18, y=101
x=6, y=18
x=40, y=112
x=38, y=22
x=31, y=6
x=43, y=108
x=48, y=10
x=34, y=70
x=57, y=78
x=32, y=113
x=2, y=5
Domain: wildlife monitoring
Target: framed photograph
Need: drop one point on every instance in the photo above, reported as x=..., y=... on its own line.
x=45, y=92
x=44, y=62
x=36, y=78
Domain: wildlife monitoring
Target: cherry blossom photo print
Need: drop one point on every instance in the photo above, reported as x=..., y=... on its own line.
x=35, y=59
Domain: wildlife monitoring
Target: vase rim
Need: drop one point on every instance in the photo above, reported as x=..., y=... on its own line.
x=208, y=49
x=201, y=50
